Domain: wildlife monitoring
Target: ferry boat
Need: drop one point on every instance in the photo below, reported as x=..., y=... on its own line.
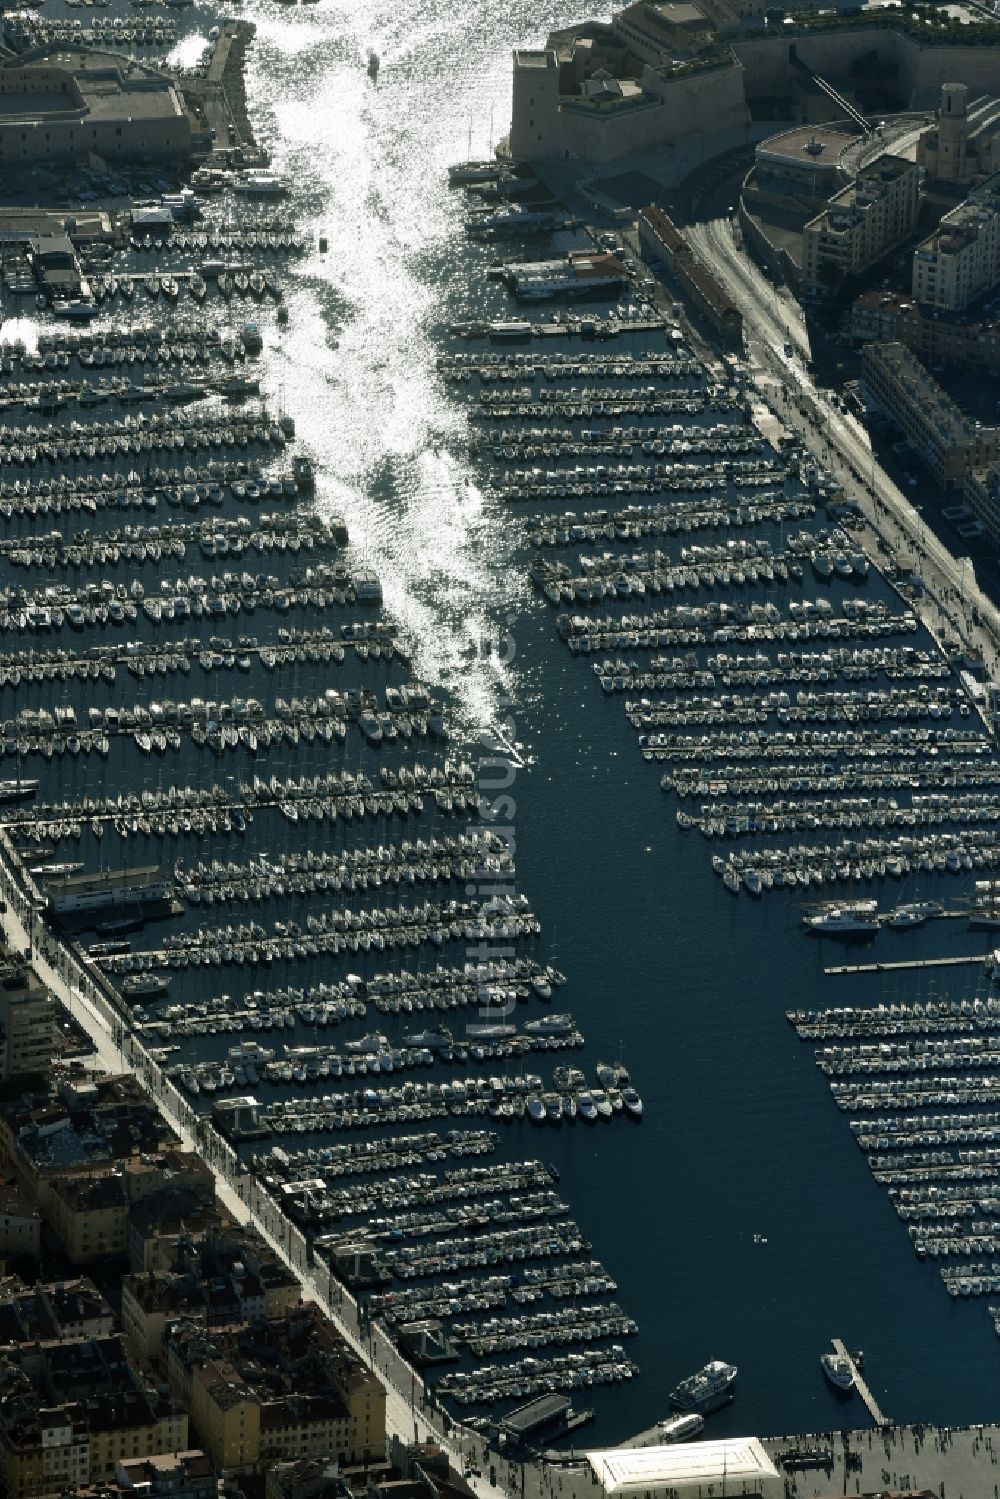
x=511, y=217
x=433, y=1038
x=680, y=1428
x=550, y=1025
x=250, y=1051
x=77, y=308
x=108, y=949
x=838, y=1370
x=373, y=1041
x=260, y=185
x=91, y=901
x=302, y=473
x=119, y=927
x=707, y=1390
x=367, y=588
x=513, y=331
x=489, y=1031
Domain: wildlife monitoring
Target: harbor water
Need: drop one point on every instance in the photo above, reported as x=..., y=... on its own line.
x=738, y=1218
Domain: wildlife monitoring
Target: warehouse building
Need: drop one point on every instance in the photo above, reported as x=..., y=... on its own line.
x=662, y=241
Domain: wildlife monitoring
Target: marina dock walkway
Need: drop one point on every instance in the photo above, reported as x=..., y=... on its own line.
x=859, y=1384
x=967, y=959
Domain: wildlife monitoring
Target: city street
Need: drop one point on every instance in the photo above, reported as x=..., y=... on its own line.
x=955, y=606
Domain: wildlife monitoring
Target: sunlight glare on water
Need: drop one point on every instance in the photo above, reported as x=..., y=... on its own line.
x=366, y=167
x=24, y=330
x=188, y=52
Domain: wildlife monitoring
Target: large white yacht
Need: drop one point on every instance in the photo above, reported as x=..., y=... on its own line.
x=854, y=919
x=464, y=172
x=914, y=913
x=706, y=1390
x=838, y=1370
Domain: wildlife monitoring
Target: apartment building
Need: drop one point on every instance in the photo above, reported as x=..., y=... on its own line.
x=226, y=1413
x=954, y=338
x=982, y=495
x=960, y=261
x=27, y=1020
x=71, y=1409
x=305, y=1478
x=175, y=1475
x=136, y=1423
x=221, y=1277
x=60, y=1310
x=150, y=1302
x=45, y=1138
x=275, y=1390
x=861, y=223
x=183, y=1206
x=944, y=438
x=43, y=1450
x=20, y=1224
x=89, y=1215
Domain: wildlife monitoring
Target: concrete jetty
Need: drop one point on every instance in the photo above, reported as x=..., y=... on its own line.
x=965, y=959
x=871, y=1404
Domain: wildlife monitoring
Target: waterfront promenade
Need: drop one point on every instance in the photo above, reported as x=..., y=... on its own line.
x=950, y=1462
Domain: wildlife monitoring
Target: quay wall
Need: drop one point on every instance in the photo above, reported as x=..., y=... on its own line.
x=69, y=135
x=775, y=258
x=977, y=67
x=767, y=65
x=920, y=71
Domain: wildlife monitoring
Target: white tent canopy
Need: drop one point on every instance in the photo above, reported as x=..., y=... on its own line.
x=688, y=1470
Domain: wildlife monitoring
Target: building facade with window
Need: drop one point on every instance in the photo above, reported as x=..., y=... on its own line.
x=960, y=261
x=861, y=223
x=943, y=437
